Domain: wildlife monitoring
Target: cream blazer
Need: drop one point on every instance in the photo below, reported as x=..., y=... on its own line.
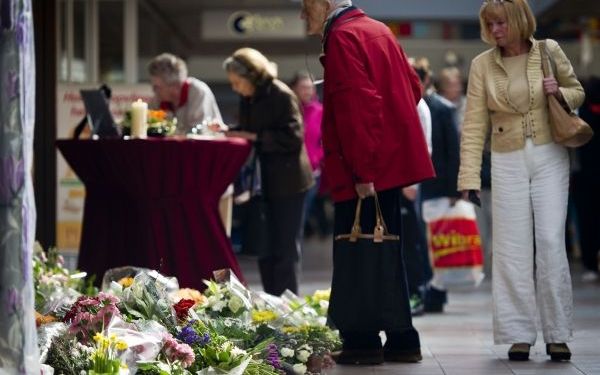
x=489, y=108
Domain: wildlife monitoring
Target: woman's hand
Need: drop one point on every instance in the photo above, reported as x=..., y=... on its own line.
x=465, y=194
x=551, y=87
x=241, y=134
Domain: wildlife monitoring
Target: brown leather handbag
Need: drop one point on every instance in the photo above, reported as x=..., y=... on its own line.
x=567, y=128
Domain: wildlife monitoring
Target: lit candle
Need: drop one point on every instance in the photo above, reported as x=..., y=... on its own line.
x=139, y=119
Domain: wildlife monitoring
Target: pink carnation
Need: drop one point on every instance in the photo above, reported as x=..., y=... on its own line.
x=108, y=298
x=176, y=351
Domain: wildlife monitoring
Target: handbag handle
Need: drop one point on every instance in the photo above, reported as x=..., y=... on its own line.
x=379, y=232
x=546, y=68
x=549, y=67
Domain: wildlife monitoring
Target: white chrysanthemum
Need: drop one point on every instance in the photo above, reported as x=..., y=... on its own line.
x=287, y=352
x=299, y=368
x=237, y=351
x=303, y=355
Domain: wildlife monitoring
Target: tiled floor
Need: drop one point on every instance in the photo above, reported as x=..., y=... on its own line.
x=459, y=341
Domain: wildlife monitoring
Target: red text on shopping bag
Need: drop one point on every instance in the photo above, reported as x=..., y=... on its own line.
x=455, y=242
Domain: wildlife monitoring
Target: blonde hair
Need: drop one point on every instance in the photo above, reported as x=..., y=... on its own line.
x=252, y=65
x=518, y=15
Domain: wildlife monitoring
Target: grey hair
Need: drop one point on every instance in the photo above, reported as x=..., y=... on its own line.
x=169, y=67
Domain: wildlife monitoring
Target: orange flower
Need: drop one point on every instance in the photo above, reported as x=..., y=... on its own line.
x=158, y=115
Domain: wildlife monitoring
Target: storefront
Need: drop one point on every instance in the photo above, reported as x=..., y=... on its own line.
x=83, y=43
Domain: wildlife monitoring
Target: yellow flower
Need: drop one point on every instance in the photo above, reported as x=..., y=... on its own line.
x=290, y=329
x=263, y=316
x=322, y=295
x=126, y=282
x=98, y=336
x=121, y=345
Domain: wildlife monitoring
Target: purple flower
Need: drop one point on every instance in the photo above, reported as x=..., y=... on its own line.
x=13, y=300
x=189, y=336
x=22, y=29
x=273, y=356
x=12, y=178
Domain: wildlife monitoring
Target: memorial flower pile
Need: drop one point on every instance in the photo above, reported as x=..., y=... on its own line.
x=146, y=325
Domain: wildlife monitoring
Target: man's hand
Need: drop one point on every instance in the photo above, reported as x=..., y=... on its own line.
x=365, y=190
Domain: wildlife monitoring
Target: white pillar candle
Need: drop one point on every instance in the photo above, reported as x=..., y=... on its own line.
x=139, y=119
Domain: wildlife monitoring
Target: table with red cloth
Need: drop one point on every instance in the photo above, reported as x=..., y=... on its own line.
x=154, y=203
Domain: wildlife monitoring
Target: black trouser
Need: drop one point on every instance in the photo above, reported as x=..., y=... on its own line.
x=279, y=263
x=587, y=200
x=389, y=200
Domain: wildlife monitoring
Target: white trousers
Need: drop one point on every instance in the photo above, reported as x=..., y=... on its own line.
x=529, y=198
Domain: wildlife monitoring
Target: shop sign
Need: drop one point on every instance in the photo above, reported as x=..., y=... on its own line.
x=255, y=24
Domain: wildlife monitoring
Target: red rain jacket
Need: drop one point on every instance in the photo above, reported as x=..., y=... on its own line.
x=371, y=130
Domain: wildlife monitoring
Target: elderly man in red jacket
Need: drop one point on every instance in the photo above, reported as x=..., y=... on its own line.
x=373, y=145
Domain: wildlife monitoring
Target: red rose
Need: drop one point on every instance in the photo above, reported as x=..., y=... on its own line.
x=182, y=307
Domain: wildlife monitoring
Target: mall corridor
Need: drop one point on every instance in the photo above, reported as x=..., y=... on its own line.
x=459, y=341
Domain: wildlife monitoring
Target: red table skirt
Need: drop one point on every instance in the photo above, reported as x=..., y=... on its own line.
x=154, y=203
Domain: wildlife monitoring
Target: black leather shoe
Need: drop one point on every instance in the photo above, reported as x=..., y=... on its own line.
x=407, y=356
x=558, y=352
x=519, y=352
x=358, y=357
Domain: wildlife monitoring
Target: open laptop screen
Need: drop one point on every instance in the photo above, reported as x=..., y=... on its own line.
x=98, y=114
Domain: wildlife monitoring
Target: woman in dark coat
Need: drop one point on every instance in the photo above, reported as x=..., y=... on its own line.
x=270, y=117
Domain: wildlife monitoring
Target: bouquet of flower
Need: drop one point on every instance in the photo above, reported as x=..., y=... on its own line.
x=68, y=356
x=54, y=284
x=105, y=358
x=89, y=315
x=160, y=123
x=147, y=298
x=226, y=299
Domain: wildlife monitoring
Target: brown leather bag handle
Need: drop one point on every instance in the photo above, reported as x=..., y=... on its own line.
x=379, y=232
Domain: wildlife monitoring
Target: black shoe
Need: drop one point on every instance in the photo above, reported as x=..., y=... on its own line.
x=558, y=352
x=433, y=307
x=435, y=299
x=407, y=356
x=519, y=352
x=358, y=357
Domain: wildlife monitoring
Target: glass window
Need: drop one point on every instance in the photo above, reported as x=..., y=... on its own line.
x=79, y=66
x=111, y=40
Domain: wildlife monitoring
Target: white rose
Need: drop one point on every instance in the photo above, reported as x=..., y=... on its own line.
x=303, y=355
x=299, y=368
x=287, y=352
x=235, y=303
x=324, y=304
x=218, y=306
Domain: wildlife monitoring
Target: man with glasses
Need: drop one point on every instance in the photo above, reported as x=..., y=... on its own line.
x=373, y=144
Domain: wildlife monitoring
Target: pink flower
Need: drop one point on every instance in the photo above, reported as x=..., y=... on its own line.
x=88, y=302
x=108, y=298
x=178, y=351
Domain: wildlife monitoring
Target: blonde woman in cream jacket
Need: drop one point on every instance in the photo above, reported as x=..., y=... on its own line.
x=530, y=177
